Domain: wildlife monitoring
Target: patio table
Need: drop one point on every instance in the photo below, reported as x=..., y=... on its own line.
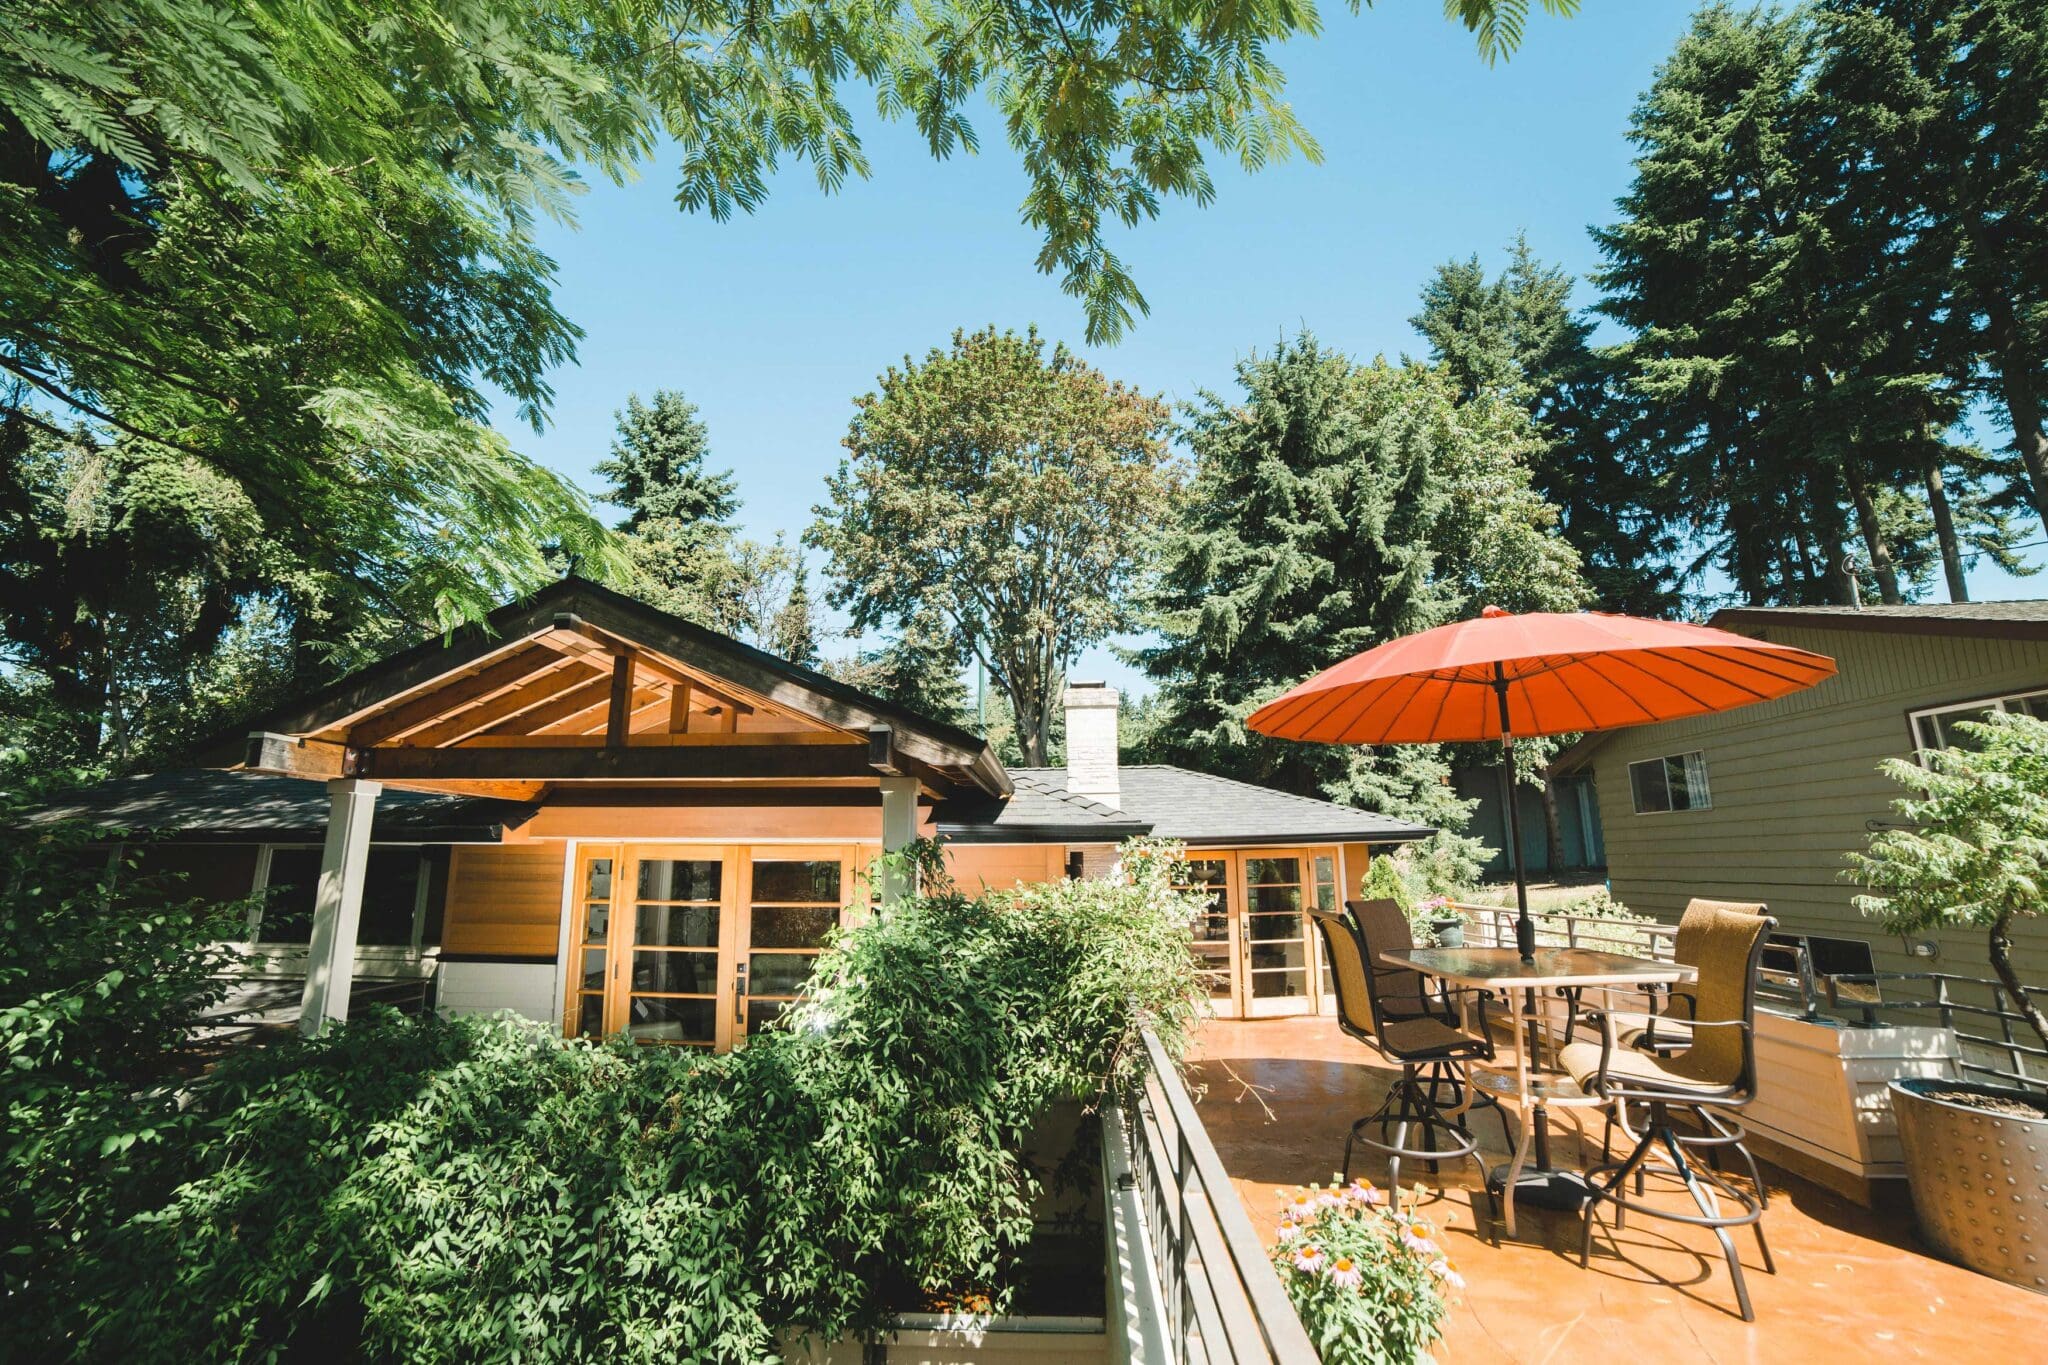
x=1502, y=971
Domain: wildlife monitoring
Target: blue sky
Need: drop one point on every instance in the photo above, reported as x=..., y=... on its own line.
x=773, y=323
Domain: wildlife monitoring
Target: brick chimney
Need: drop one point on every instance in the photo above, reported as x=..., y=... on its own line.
x=1091, y=741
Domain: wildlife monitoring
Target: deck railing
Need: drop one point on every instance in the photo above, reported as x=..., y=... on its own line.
x=1493, y=926
x=1211, y=1293
x=1995, y=1039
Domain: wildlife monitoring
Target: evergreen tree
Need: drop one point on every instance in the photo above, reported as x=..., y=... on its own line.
x=656, y=469
x=1336, y=506
x=919, y=668
x=1515, y=338
x=1787, y=263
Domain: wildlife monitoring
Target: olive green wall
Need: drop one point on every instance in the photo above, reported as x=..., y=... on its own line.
x=1795, y=783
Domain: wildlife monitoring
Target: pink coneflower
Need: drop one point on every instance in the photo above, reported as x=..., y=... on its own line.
x=1417, y=1243
x=1289, y=1230
x=1364, y=1192
x=1344, y=1273
x=1310, y=1259
x=1448, y=1273
x=1302, y=1206
x=1330, y=1199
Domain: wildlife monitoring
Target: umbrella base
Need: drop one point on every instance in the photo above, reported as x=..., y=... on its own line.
x=1564, y=1191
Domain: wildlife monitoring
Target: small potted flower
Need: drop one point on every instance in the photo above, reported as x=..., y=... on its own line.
x=1369, y=1281
x=1446, y=921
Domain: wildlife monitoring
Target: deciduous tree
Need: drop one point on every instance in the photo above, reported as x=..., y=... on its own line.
x=1015, y=492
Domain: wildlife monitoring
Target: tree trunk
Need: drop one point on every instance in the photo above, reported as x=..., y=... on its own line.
x=2022, y=403
x=1881, y=567
x=2001, y=963
x=1553, y=832
x=1945, y=534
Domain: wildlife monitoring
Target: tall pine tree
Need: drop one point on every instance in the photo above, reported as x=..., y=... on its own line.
x=1336, y=506
x=1514, y=337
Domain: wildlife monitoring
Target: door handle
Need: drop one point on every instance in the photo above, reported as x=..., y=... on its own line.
x=739, y=994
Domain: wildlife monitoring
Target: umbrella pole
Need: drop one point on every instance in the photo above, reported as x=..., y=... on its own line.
x=1525, y=928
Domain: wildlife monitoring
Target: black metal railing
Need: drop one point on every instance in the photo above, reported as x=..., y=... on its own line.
x=1218, y=1298
x=1994, y=1038
x=1987, y=1026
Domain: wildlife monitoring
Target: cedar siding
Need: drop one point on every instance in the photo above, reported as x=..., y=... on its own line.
x=504, y=901
x=1796, y=785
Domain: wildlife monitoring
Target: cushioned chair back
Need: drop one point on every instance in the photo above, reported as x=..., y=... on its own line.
x=1729, y=946
x=1401, y=992
x=1347, y=963
x=1699, y=911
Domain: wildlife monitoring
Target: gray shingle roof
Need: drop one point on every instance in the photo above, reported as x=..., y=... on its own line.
x=2025, y=620
x=1040, y=810
x=210, y=803
x=1172, y=803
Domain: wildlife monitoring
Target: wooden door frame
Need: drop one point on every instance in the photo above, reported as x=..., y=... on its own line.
x=1287, y=1006
x=735, y=919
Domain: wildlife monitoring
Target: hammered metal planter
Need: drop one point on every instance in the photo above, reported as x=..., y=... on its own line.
x=1979, y=1180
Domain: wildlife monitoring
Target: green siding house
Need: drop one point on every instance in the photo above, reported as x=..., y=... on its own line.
x=1762, y=803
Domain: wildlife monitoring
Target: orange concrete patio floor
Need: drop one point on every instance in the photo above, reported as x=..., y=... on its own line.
x=1851, y=1284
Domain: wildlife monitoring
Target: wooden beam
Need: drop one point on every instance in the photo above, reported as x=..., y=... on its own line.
x=679, y=709
x=573, y=635
x=618, y=716
x=882, y=750
x=591, y=720
x=573, y=702
x=569, y=763
x=436, y=704
x=554, y=683
x=658, y=739
x=291, y=756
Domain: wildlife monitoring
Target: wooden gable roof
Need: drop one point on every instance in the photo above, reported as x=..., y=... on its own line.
x=578, y=683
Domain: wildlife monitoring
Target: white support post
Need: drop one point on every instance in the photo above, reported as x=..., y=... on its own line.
x=899, y=831
x=338, y=904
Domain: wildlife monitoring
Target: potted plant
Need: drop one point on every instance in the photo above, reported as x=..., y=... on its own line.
x=1975, y=856
x=1446, y=922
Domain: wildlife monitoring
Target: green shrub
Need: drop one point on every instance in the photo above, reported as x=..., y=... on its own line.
x=1975, y=854
x=443, y=1190
x=103, y=975
x=1368, y=1280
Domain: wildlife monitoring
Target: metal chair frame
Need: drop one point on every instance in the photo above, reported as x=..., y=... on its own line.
x=1429, y=1076
x=1608, y=1182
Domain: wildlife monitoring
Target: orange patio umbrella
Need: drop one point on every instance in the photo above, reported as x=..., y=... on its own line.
x=1505, y=676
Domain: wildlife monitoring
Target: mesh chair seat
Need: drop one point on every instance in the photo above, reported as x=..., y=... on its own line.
x=1634, y=1071
x=1420, y=1040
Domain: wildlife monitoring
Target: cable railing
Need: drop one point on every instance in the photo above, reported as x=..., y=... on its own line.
x=1215, y=1296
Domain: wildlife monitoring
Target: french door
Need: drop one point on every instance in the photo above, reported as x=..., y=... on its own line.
x=698, y=945
x=1254, y=942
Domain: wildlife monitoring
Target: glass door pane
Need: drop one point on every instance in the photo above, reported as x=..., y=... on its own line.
x=590, y=961
x=1215, y=945
x=672, y=994
x=1276, y=948
x=794, y=903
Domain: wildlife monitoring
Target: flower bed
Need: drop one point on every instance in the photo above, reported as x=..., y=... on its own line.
x=1369, y=1279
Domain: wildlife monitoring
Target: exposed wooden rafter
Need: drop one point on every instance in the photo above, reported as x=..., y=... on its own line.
x=503, y=707
x=435, y=704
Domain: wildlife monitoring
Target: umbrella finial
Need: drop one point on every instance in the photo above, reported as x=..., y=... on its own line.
x=1489, y=612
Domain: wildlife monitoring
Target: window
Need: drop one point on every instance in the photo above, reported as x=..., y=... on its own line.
x=402, y=893
x=1934, y=728
x=1674, y=782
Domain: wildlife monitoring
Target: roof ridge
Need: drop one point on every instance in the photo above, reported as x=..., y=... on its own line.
x=1272, y=791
